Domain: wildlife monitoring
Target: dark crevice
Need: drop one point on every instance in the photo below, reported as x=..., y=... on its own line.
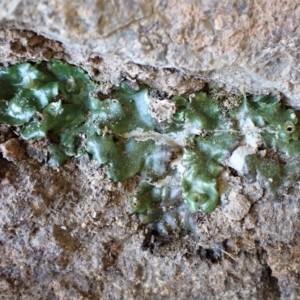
x=214, y=254
x=233, y=172
x=269, y=288
x=153, y=240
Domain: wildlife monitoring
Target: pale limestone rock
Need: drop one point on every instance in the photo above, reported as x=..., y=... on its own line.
x=249, y=45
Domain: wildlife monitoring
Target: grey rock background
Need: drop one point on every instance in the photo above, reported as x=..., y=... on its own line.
x=70, y=235
x=246, y=44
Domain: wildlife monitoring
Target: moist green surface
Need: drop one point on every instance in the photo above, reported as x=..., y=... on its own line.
x=53, y=98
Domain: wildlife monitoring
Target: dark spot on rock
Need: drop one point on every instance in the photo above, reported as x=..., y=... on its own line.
x=96, y=72
x=36, y=40
x=64, y=239
x=269, y=288
x=18, y=47
x=153, y=240
x=233, y=172
x=214, y=254
x=96, y=60
x=48, y=53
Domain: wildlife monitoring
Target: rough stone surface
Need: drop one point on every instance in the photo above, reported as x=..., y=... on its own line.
x=69, y=234
x=238, y=206
x=249, y=45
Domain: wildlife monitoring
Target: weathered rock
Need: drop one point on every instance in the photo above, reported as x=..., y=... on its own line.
x=70, y=234
x=12, y=150
x=245, y=44
x=237, y=208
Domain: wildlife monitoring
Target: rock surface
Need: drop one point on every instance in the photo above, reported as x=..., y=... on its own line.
x=70, y=234
x=249, y=45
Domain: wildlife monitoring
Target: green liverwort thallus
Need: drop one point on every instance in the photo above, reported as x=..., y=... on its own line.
x=118, y=131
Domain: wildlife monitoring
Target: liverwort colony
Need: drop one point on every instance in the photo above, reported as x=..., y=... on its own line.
x=178, y=157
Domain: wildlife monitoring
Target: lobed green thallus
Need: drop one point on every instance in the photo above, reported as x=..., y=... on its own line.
x=55, y=98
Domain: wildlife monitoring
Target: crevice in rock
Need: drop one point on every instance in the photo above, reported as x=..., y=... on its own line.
x=269, y=288
x=213, y=254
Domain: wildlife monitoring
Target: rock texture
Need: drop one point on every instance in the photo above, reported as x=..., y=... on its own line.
x=249, y=45
x=70, y=234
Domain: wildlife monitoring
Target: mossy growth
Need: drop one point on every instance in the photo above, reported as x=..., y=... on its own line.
x=53, y=98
